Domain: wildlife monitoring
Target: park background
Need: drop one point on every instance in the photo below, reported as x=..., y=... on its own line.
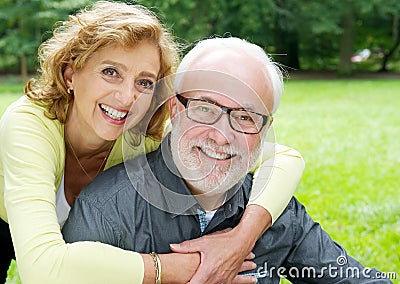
x=340, y=107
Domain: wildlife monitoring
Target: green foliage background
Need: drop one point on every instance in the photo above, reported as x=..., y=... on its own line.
x=304, y=35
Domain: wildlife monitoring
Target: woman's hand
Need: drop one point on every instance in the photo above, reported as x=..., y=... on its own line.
x=180, y=268
x=223, y=255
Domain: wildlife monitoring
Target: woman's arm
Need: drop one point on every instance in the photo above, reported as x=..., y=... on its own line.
x=31, y=153
x=180, y=268
x=274, y=182
x=172, y=267
x=276, y=178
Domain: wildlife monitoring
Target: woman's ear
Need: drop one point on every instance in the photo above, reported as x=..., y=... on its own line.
x=68, y=76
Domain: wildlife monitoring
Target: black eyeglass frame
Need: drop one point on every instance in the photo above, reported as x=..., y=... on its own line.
x=186, y=101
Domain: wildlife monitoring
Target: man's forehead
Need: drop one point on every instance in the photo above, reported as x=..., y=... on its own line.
x=219, y=85
x=230, y=71
x=211, y=80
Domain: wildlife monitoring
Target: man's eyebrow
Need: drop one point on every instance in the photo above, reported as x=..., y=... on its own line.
x=124, y=68
x=246, y=106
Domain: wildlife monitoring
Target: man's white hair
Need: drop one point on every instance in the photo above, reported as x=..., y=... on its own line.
x=242, y=46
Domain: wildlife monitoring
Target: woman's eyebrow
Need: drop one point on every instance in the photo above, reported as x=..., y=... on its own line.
x=119, y=65
x=148, y=74
x=125, y=68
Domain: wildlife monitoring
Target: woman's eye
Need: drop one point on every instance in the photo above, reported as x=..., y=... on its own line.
x=145, y=84
x=111, y=72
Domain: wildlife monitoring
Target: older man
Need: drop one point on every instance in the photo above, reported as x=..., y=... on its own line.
x=197, y=183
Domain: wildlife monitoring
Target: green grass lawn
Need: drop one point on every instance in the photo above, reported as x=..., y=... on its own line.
x=348, y=132
x=9, y=92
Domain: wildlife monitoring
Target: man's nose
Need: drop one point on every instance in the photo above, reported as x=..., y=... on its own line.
x=221, y=131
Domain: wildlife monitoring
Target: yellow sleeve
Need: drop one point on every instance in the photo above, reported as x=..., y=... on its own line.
x=276, y=178
x=151, y=144
x=30, y=154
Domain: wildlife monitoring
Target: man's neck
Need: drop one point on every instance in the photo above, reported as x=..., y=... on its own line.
x=209, y=201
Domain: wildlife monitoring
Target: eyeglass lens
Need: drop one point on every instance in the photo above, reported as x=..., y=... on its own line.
x=209, y=113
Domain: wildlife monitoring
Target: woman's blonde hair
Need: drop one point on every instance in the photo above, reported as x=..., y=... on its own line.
x=74, y=41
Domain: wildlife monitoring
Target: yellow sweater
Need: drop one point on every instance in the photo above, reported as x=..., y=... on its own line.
x=32, y=158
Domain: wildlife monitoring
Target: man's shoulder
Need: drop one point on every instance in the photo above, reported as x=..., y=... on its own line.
x=119, y=180
x=283, y=232
x=107, y=185
x=292, y=215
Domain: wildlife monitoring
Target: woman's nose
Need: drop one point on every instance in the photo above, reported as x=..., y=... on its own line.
x=126, y=94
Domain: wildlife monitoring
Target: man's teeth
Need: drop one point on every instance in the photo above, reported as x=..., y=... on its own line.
x=214, y=155
x=113, y=113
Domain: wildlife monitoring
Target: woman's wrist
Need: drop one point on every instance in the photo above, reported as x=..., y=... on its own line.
x=179, y=268
x=157, y=267
x=176, y=267
x=254, y=222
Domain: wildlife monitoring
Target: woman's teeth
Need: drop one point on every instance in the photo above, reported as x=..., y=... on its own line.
x=113, y=113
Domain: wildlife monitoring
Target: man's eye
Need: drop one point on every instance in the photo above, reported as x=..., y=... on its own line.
x=204, y=109
x=111, y=72
x=245, y=118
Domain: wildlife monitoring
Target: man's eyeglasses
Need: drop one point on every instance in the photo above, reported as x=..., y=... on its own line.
x=240, y=119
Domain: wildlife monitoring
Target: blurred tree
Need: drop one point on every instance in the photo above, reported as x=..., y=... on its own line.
x=286, y=32
x=307, y=34
x=288, y=29
x=192, y=20
x=23, y=27
x=396, y=42
x=346, y=37
x=377, y=29
x=388, y=13
x=325, y=30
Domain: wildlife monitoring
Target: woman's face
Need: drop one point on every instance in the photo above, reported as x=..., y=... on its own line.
x=111, y=82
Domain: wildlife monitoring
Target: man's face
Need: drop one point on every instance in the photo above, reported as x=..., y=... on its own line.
x=213, y=158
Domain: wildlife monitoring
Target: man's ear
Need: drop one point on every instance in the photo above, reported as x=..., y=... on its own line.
x=172, y=102
x=68, y=72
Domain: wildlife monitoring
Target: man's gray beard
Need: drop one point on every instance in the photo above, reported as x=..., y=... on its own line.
x=215, y=178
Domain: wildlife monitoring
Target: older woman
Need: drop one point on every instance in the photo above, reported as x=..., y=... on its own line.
x=67, y=129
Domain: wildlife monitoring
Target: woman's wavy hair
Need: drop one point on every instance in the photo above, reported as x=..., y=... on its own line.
x=74, y=41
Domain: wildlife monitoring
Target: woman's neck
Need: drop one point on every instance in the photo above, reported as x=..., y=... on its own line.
x=83, y=142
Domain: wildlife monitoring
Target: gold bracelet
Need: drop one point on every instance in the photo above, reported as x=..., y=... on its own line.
x=157, y=266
